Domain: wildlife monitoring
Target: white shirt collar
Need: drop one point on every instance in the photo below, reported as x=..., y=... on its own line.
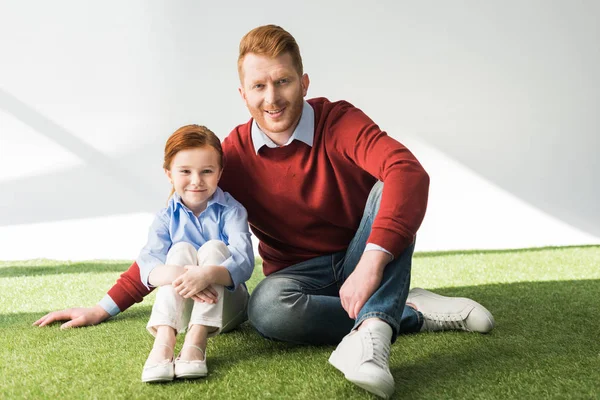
x=304, y=132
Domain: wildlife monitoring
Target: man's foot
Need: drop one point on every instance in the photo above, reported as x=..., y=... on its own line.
x=363, y=357
x=442, y=313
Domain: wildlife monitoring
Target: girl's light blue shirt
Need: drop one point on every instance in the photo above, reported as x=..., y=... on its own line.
x=224, y=219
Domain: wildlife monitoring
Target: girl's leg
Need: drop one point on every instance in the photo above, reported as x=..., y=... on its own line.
x=209, y=319
x=171, y=312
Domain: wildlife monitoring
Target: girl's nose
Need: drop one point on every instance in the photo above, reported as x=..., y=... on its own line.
x=196, y=179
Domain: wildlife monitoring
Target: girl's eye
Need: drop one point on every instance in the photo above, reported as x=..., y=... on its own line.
x=185, y=171
x=207, y=171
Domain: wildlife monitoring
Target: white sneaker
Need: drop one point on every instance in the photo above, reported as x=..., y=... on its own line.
x=443, y=313
x=363, y=357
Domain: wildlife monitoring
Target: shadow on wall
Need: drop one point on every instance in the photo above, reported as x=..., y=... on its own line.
x=106, y=186
x=102, y=186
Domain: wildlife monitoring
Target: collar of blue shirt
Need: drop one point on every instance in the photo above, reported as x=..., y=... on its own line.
x=304, y=132
x=217, y=198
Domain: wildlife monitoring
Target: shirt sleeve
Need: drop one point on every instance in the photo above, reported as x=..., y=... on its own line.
x=154, y=253
x=237, y=235
x=109, y=305
x=373, y=246
x=406, y=184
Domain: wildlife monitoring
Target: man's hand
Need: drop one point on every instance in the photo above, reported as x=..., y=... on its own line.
x=77, y=317
x=194, y=280
x=363, y=282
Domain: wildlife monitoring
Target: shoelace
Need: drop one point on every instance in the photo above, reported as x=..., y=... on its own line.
x=444, y=321
x=381, y=349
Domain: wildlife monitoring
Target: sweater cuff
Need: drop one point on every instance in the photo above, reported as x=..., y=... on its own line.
x=124, y=300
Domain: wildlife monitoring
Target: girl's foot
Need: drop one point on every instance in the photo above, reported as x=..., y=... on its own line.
x=191, y=363
x=191, y=352
x=159, y=366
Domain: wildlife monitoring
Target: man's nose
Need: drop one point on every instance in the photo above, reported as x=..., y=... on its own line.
x=271, y=95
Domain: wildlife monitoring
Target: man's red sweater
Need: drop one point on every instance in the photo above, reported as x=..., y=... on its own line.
x=305, y=202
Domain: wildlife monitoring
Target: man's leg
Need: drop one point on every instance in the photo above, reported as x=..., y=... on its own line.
x=426, y=311
x=388, y=301
x=363, y=355
x=301, y=303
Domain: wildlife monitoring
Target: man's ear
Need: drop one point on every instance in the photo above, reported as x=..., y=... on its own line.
x=242, y=94
x=305, y=82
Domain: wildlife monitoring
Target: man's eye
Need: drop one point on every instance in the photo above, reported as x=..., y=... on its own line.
x=258, y=86
x=283, y=81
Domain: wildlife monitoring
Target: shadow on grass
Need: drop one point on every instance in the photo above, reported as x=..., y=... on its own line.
x=545, y=340
x=501, y=251
x=66, y=268
x=544, y=346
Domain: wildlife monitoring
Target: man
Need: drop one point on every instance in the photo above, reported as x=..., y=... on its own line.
x=335, y=204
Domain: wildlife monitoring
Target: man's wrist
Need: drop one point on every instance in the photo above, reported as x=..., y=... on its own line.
x=375, y=260
x=101, y=312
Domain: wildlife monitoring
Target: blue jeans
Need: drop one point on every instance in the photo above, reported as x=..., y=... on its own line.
x=301, y=304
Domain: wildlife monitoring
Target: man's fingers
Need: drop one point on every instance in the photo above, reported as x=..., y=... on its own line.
x=350, y=310
x=357, y=307
x=53, y=317
x=75, y=323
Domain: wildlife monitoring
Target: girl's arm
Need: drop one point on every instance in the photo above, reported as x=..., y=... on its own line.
x=199, y=278
x=153, y=255
x=163, y=275
x=235, y=228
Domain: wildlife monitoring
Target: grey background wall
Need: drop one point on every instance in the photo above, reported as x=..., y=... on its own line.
x=499, y=100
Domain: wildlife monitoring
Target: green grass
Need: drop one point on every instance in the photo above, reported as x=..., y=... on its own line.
x=546, y=303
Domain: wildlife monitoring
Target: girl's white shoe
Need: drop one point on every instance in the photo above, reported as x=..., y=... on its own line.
x=191, y=369
x=159, y=372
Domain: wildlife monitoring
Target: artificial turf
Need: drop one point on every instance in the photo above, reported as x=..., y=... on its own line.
x=546, y=303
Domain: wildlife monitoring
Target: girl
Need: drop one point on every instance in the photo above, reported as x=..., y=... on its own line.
x=199, y=254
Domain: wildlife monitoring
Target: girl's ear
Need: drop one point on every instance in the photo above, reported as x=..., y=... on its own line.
x=220, y=173
x=168, y=174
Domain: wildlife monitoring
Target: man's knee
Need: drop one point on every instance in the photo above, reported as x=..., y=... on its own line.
x=270, y=309
x=374, y=199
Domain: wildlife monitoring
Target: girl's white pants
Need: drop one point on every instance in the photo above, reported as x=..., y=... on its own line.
x=177, y=312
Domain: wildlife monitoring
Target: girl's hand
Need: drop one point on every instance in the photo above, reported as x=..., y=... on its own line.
x=208, y=295
x=193, y=281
